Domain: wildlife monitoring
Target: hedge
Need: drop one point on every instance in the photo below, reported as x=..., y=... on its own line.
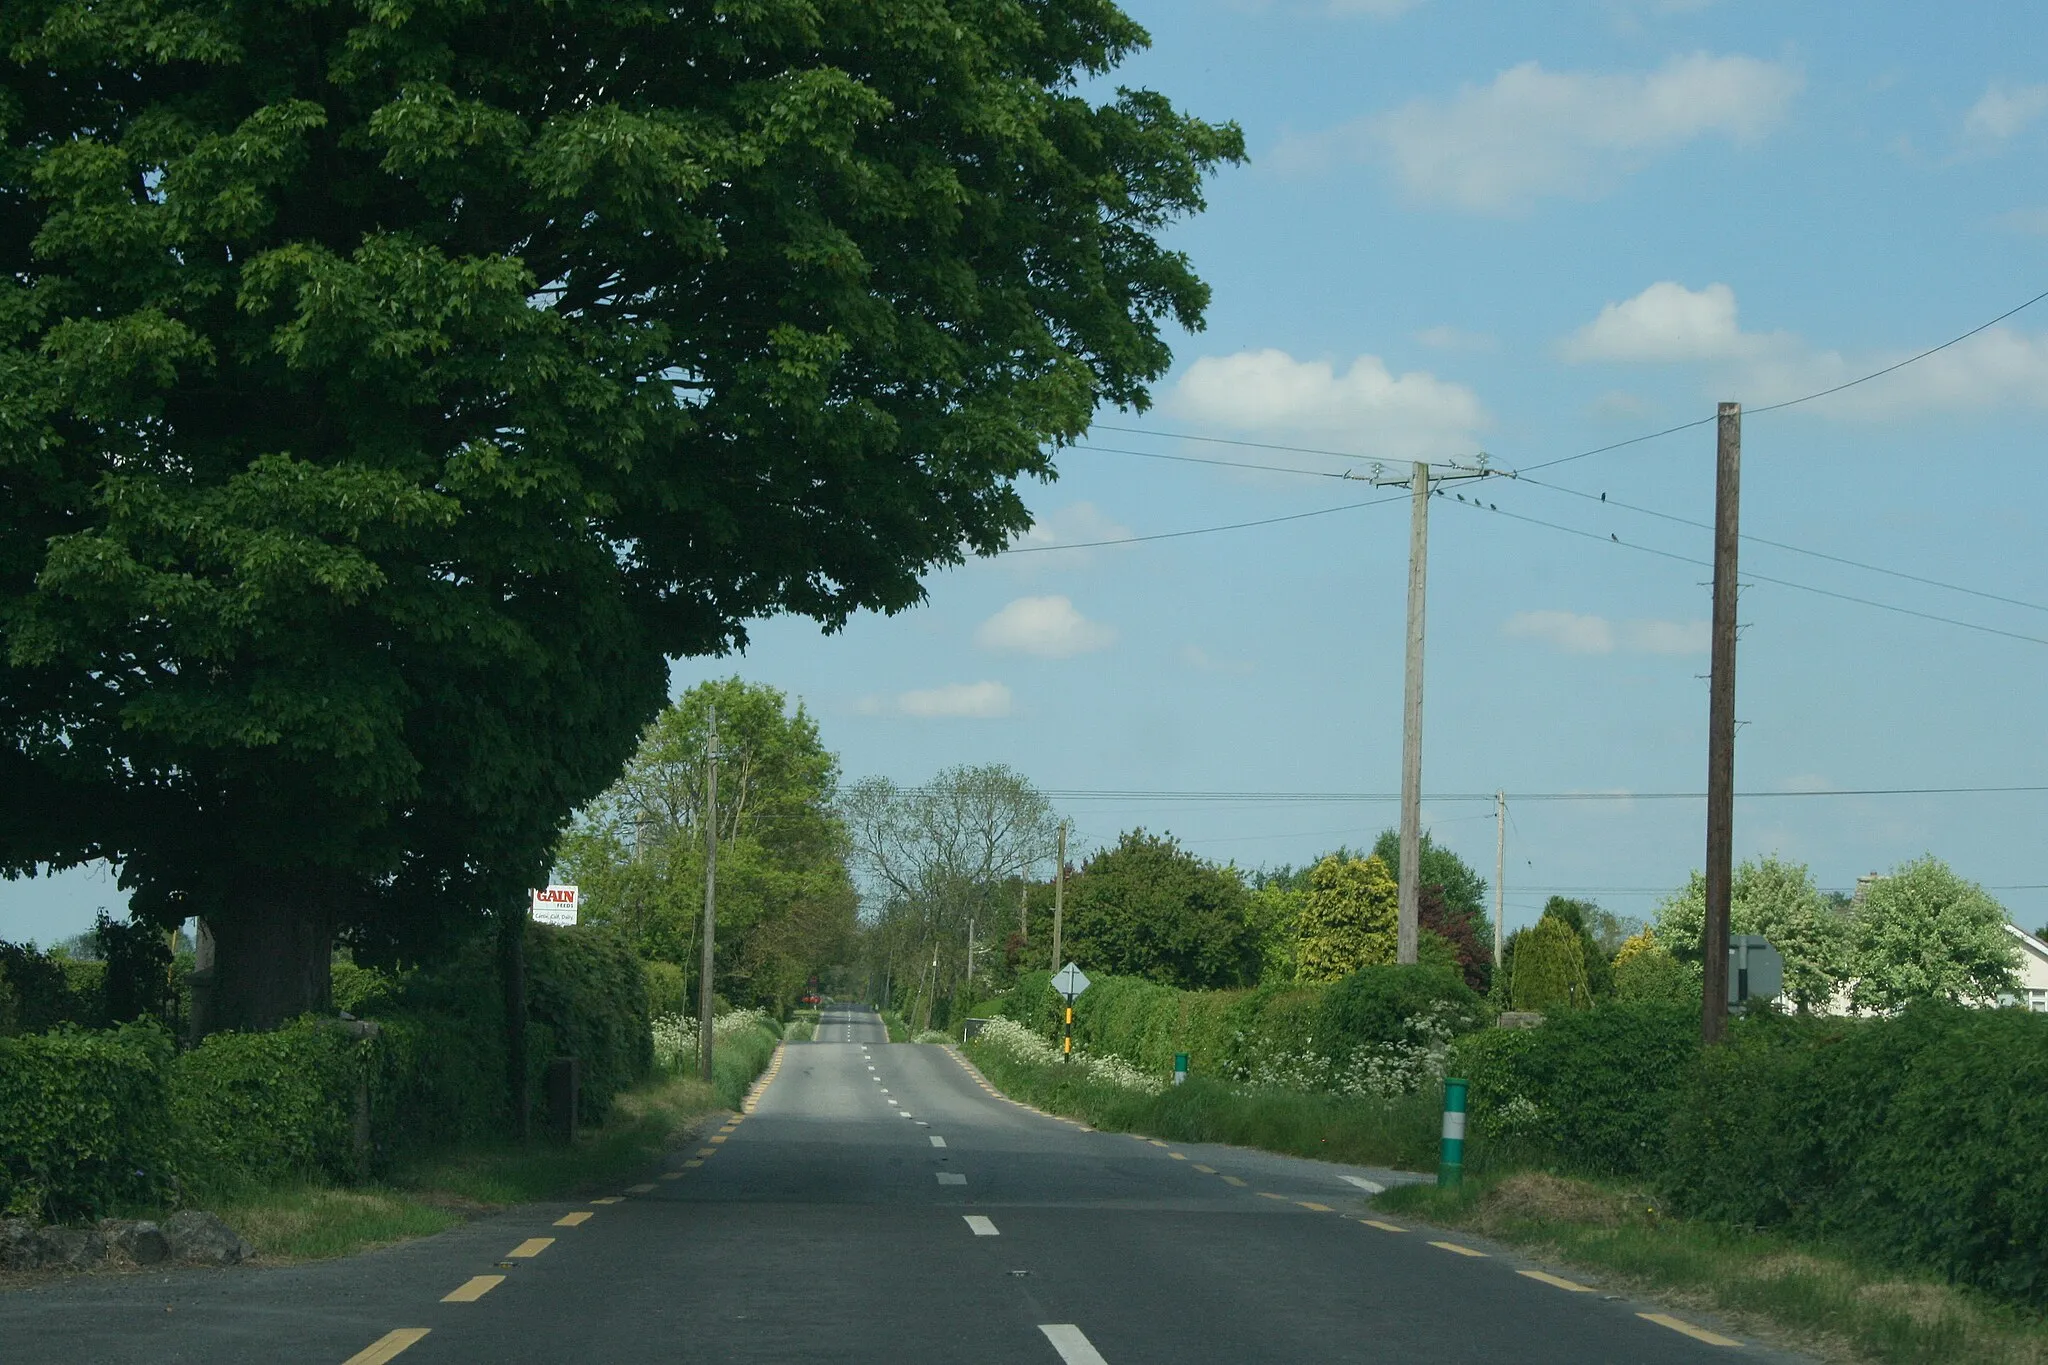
x=1916, y=1138
x=85, y=1121
x=90, y=1121
x=1234, y=1035
x=271, y=1106
x=1590, y=1090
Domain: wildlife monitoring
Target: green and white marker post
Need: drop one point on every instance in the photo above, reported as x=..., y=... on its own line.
x=1450, y=1164
x=1180, y=1067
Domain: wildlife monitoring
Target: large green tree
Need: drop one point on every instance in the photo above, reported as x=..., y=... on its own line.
x=1923, y=933
x=1148, y=907
x=942, y=864
x=786, y=901
x=386, y=390
x=1347, y=917
x=1777, y=899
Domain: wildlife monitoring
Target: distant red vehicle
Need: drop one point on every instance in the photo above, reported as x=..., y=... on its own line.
x=814, y=1000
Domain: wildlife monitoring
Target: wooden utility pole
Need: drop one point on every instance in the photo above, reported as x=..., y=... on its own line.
x=1721, y=727
x=1500, y=872
x=1407, y=936
x=1059, y=896
x=1024, y=906
x=704, y=1001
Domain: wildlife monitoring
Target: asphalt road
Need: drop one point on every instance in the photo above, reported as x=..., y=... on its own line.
x=880, y=1203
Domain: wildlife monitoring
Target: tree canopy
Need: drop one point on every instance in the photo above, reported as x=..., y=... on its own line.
x=1148, y=907
x=1778, y=900
x=386, y=391
x=786, y=902
x=1347, y=918
x=1924, y=933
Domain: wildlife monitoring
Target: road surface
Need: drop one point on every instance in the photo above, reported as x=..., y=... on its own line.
x=881, y=1203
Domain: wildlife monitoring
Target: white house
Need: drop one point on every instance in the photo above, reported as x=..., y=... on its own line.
x=2033, y=973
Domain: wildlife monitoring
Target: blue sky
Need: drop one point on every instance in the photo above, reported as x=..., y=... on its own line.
x=1533, y=230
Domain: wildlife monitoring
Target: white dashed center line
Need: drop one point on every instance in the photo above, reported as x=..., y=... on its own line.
x=983, y=1227
x=938, y=1141
x=1074, y=1348
x=952, y=1178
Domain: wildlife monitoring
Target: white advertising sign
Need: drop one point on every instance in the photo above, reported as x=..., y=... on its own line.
x=556, y=905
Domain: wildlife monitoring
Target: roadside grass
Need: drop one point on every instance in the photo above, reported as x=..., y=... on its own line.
x=1824, y=1300
x=309, y=1221
x=1398, y=1133
x=899, y=1032
x=799, y=1030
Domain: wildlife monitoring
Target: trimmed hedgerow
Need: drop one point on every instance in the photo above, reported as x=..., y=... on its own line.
x=1291, y=1036
x=84, y=1121
x=1590, y=1090
x=261, y=1107
x=1915, y=1138
x=587, y=998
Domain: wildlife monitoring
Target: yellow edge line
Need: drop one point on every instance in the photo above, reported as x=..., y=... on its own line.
x=1383, y=1227
x=473, y=1289
x=1696, y=1333
x=532, y=1246
x=574, y=1220
x=1233, y=1180
x=1318, y=1208
x=1556, y=1281
x=387, y=1346
x=1462, y=1251
x=1205, y=1170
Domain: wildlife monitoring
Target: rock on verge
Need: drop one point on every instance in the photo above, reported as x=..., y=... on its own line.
x=202, y=1239
x=139, y=1240
x=19, y=1249
x=71, y=1248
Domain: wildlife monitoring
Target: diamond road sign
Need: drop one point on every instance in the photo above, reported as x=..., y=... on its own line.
x=1070, y=981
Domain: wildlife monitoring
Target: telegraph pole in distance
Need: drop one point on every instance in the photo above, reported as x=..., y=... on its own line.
x=710, y=899
x=1500, y=872
x=1407, y=933
x=1059, y=895
x=1422, y=481
x=1721, y=727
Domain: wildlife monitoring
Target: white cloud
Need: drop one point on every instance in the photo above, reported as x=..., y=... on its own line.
x=2004, y=110
x=1049, y=627
x=1570, y=633
x=1456, y=339
x=1666, y=322
x=1366, y=407
x=1670, y=324
x=1531, y=133
x=979, y=701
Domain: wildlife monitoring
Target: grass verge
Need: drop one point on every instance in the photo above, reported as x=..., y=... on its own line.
x=1822, y=1300
x=1398, y=1133
x=899, y=1032
x=424, y=1196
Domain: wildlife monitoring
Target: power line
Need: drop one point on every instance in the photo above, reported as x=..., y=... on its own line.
x=1909, y=360
x=1612, y=539
x=1202, y=530
x=1304, y=797
x=1226, y=464
x=1606, y=501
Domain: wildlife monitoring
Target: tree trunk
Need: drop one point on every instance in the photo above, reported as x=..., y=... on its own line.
x=273, y=948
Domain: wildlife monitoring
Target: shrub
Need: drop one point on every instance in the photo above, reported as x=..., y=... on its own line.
x=84, y=1123
x=1914, y=1138
x=1592, y=1090
x=586, y=997
x=50, y=990
x=263, y=1107
x=668, y=989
